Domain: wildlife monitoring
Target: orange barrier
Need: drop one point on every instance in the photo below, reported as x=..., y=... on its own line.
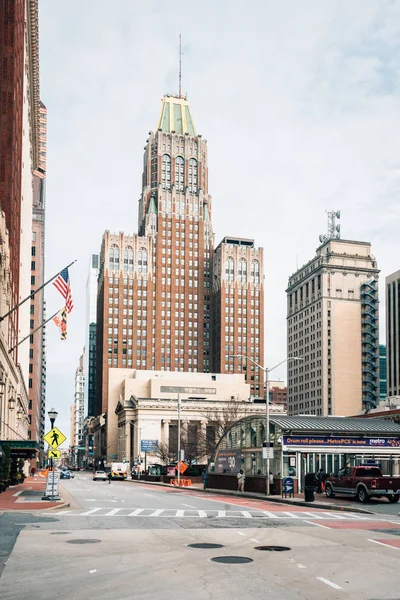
x=182, y=483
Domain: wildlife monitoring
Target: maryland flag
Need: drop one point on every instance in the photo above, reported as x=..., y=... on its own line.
x=61, y=322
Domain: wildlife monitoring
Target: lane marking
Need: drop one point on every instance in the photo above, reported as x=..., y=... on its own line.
x=189, y=505
x=93, y=571
x=202, y=514
x=112, y=512
x=317, y=524
x=270, y=514
x=20, y=492
x=330, y=583
x=291, y=515
x=240, y=533
x=180, y=513
x=221, y=513
x=246, y=514
x=256, y=541
x=89, y=512
x=383, y=544
x=136, y=512
x=301, y=566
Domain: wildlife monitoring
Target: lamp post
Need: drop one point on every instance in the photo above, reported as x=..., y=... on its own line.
x=52, y=416
x=179, y=439
x=267, y=371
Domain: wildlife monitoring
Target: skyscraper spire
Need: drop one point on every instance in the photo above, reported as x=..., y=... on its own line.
x=180, y=66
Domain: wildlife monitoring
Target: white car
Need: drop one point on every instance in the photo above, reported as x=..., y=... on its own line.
x=102, y=475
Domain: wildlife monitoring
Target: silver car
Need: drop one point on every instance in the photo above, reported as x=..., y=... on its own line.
x=100, y=475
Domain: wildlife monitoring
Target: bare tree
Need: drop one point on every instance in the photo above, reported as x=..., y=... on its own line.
x=219, y=421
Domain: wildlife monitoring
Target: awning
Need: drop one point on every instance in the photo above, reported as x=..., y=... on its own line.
x=21, y=448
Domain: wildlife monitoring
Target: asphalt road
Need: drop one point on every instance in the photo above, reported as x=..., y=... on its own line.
x=128, y=540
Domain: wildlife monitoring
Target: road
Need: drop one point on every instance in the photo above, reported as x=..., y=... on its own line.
x=129, y=540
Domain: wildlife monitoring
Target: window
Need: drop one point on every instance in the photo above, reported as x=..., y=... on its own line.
x=166, y=172
x=255, y=271
x=193, y=175
x=33, y=250
x=33, y=236
x=33, y=279
x=179, y=173
x=128, y=259
x=114, y=258
x=142, y=261
x=242, y=270
x=229, y=269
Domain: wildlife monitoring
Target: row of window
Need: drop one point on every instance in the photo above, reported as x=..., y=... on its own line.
x=179, y=179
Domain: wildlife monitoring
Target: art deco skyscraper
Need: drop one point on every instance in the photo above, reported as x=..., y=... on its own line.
x=153, y=309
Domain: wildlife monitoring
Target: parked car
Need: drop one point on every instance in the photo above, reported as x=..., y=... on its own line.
x=102, y=475
x=363, y=482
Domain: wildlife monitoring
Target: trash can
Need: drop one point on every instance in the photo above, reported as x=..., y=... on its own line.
x=309, y=487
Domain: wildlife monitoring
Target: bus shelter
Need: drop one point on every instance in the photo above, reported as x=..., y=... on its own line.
x=302, y=444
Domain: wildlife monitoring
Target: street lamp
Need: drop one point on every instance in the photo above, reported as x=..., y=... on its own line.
x=11, y=403
x=266, y=370
x=52, y=416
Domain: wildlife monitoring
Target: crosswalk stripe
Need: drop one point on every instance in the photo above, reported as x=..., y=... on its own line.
x=180, y=513
x=246, y=514
x=112, y=512
x=269, y=514
x=156, y=513
x=202, y=514
x=291, y=515
x=90, y=512
x=221, y=513
x=136, y=512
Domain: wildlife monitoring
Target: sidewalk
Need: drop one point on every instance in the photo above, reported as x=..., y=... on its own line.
x=298, y=499
x=27, y=496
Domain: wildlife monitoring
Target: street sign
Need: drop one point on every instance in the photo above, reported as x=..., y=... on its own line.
x=53, y=480
x=54, y=454
x=268, y=453
x=148, y=445
x=54, y=438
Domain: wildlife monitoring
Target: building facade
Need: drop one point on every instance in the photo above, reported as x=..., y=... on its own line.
x=90, y=343
x=278, y=393
x=37, y=341
x=325, y=322
x=143, y=407
x=393, y=334
x=238, y=310
x=154, y=287
x=79, y=410
x=382, y=373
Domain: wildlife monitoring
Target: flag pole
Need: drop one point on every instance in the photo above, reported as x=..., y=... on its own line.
x=34, y=331
x=34, y=292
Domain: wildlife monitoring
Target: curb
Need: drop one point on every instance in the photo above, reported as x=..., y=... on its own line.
x=278, y=500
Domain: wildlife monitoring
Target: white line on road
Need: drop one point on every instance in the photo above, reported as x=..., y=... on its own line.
x=136, y=512
x=221, y=513
x=20, y=492
x=93, y=571
x=180, y=513
x=317, y=524
x=240, y=533
x=112, y=512
x=246, y=514
x=330, y=583
x=89, y=512
x=256, y=541
x=189, y=505
x=292, y=515
x=269, y=514
x=202, y=514
x=301, y=566
x=383, y=544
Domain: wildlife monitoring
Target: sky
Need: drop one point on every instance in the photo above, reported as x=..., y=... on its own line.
x=299, y=103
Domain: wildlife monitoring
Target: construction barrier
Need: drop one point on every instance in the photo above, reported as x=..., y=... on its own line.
x=182, y=483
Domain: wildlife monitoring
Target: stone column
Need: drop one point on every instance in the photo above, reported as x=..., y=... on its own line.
x=165, y=431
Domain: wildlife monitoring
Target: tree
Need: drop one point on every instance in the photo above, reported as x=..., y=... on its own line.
x=219, y=421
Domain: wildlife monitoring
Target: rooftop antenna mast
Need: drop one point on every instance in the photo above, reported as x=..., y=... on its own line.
x=180, y=66
x=333, y=229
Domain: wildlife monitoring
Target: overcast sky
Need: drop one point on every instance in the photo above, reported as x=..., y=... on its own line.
x=299, y=102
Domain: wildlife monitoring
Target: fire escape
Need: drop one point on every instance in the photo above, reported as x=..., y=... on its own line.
x=370, y=343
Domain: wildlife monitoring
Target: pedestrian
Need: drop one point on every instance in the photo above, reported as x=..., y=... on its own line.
x=241, y=477
x=320, y=478
x=271, y=482
x=109, y=477
x=204, y=477
x=33, y=471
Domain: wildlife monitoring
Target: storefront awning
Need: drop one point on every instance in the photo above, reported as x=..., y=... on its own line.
x=21, y=448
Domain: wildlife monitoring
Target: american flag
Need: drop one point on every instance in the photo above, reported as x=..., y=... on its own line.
x=62, y=284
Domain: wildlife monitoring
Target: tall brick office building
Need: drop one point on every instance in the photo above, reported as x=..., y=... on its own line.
x=155, y=295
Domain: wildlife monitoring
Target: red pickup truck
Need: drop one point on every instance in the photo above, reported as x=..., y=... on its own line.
x=364, y=483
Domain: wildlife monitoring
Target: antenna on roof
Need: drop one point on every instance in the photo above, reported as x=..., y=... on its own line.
x=180, y=66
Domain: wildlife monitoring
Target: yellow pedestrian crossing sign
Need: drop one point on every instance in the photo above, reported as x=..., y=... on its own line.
x=54, y=438
x=54, y=454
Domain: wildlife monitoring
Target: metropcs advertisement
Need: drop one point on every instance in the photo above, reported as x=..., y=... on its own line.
x=344, y=442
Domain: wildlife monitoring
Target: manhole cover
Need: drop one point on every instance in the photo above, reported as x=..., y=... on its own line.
x=205, y=545
x=232, y=559
x=84, y=541
x=272, y=548
x=59, y=532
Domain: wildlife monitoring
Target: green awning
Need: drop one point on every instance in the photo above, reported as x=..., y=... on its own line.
x=21, y=448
